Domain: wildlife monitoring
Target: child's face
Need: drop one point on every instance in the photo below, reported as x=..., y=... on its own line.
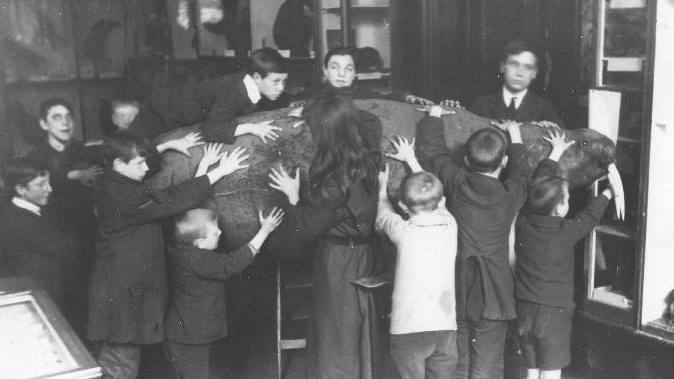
x=135, y=169
x=519, y=70
x=123, y=115
x=340, y=71
x=272, y=85
x=36, y=191
x=58, y=123
x=210, y=240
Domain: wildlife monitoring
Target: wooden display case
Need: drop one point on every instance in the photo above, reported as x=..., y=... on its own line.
x=35, y=339
x=629, y=262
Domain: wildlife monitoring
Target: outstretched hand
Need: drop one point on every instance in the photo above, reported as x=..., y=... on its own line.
x=289, y=185
x=404, y=148
x=452, y=104
x=412, y=99
x=269, y=223
x=435, y=110
x=230, y=162
x=265, y=130
x=183, y=145
x=212, y=154
x=559, y=143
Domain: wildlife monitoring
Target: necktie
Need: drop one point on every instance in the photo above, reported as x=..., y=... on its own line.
x=511, y=108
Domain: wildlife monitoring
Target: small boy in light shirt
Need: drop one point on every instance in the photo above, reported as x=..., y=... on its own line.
x=423, y=318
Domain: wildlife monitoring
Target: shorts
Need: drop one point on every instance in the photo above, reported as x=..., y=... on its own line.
x=545, y=335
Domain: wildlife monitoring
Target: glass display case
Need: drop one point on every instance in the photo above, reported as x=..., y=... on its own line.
x=628, y=262
x=617, y=108
x=35, y=339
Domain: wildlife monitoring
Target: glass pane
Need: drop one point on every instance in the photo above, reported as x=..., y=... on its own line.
x=624, y=47
x=614, y=270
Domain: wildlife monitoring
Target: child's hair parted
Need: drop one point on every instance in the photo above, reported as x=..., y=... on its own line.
x=421, y=192
x=265, y=61
x=545, y=194
x=20, y=171
x=51, y=102
x=124, y=146
x=485, y=150
x=191, y=225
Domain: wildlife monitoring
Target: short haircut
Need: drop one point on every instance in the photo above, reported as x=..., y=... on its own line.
x=517, y=47
x=20, y=171
x=339, y=50
x=265, y=61
x=191, y=225
x=545, y=194
x=421, y=191
x=124, y=146
x=51, y=102
x=485, y=150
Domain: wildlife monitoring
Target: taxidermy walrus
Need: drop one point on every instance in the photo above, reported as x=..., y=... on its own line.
x=239, y=196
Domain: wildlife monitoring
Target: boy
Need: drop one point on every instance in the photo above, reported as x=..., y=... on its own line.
x=33, y=243
x=544, y=279
x=216, y=104
x=128, y=291
x=73, y=168
x=423, y=321
x=197, y=315
x=484, y=207
x=519, y=66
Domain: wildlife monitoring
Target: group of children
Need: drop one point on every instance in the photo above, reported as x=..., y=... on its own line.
x=454, y=291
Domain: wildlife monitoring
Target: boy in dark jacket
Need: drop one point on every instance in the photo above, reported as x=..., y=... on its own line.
x=215, y=104
x=197, y=315
x=484, y=207
x=128, y=291
x=514, y=101
x=544, y=279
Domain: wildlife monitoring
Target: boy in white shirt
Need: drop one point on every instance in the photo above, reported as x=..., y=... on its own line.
x=423, y=318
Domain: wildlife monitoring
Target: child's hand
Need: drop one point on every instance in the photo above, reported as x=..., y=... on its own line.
x=230, y=162
x=183, y=145
x=86, y=176
x=212, y=154
x=505, y=125
x=383, y=182
x=436, y=111
x=546, y=124
x=264, y=130
x=285, y=183
x=412, y=99
x=404, y=149
x=272, y=221
x=559, y=144
x=452, y=104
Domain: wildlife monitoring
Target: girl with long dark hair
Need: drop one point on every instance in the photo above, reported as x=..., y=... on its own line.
x=338, y=212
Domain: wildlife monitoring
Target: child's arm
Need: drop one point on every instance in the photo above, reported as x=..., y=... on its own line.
x=223, y=266
x=517, y=169
x=584, y=221
x=549, y=166
x=431, y=148
x=388, y=221
x=86, y=175
x=405, y=152
x=211, y=156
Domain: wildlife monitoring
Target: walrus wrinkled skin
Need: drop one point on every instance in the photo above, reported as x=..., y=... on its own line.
x=240, y=195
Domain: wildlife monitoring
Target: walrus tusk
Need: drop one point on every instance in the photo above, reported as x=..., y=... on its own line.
x=618, y=192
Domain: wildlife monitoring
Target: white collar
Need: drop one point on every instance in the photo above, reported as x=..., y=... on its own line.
x=253, y=92
x=27, y=205
x=507, y=95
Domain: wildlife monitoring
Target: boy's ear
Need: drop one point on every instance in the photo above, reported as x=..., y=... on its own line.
x=19, y=190
x=403, y=207
x=43, y=124
x=465, y=161
x=256, y=77
x=116, y=163
x=442, y=203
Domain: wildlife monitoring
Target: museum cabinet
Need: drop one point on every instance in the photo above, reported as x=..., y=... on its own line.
x=628, y=262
